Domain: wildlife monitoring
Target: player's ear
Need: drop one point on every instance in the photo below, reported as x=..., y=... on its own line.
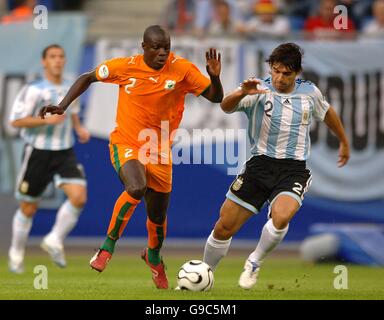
x=143, y=45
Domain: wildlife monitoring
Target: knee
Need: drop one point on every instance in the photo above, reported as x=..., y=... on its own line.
x=28, y=209
x=223, y=230
x=79, y=200
x=136, y=190
x=157, y=219
x=280, y=218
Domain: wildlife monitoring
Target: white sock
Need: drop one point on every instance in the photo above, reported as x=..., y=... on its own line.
x=270, y=238
x=215, y=250
x=66, y=219
x=21, y=226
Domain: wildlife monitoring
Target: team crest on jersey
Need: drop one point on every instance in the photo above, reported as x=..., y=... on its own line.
x=237, y=184
x=103, y=72
x=170, y=84
x=305, y=116
x=24, y=186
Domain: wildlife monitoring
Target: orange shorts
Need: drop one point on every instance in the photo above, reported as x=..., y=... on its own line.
x=158, y=175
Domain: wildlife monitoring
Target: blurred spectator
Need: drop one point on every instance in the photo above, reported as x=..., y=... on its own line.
x=298, y=8
x=52, y=4
x=244, y=9
x=2, y=7
x=223, y=23
x=266, y=21
x=179, y=16
x=65, y=5
x=375, y=28
x=322, y=25
x=206, y=13
x=23, y=11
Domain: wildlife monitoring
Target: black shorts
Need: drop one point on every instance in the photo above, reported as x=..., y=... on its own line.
x=263, y=178
x=40, y=167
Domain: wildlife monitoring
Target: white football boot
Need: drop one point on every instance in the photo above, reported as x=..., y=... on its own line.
x=248, y=278
x=16, y=261
x=55, y=250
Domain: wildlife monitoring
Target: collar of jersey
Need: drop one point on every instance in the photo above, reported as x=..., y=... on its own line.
x=284, y=95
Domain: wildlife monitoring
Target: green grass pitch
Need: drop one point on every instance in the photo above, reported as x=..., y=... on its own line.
x=127, y=277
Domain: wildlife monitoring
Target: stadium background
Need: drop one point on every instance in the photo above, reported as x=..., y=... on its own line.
x=110, y=28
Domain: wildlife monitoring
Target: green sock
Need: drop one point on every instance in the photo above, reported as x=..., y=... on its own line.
x=109, y=245
x=154, y=256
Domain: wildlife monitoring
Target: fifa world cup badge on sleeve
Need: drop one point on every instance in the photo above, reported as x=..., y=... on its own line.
x=237, y=184
x=103, y=72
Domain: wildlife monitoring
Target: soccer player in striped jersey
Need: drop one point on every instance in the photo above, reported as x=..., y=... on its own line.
x=48, y=155
x=152, y=89
x=280, y=110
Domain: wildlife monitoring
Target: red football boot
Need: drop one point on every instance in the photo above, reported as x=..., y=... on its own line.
x=158, y=272
x=100, y=260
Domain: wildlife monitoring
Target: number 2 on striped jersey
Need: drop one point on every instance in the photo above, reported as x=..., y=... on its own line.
x=268, y=111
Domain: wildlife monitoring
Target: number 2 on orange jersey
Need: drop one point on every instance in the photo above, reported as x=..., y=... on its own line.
x=130, y=85
x=128, y=153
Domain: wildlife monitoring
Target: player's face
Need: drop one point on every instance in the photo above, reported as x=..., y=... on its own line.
x=54, y=61
x=156, y=51
x=283, y=78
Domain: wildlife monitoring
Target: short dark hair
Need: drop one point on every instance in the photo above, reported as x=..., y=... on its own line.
x=289, y=54
x=44, y=53
x=154, y=30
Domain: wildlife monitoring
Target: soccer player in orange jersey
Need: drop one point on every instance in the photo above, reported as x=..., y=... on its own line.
x=152, y=88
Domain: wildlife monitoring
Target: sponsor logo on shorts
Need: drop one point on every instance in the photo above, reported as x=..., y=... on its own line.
x=24, y=186
x=237, y=184
x=80, y=167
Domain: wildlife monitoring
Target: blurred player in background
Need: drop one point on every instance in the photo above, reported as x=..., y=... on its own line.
x=280, y=115
x=152, y=88
x=48, y=155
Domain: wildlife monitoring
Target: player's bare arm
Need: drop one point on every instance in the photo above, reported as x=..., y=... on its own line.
x=80, y=85
x=33, y=122
x=247, y=87
x=333, y=122
x=214, y=92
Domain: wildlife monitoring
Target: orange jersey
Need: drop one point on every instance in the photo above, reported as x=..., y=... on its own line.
x=147, y=96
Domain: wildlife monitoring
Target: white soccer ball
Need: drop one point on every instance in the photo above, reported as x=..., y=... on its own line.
x=195, y=275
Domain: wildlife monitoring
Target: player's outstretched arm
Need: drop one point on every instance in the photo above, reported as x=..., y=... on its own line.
x=33, y=122
x=79, y=86
x=333, y=122
x=247, y=87
x=215, y=92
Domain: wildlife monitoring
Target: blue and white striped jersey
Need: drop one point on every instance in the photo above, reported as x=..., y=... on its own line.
x=279, y=124
x=28, y=102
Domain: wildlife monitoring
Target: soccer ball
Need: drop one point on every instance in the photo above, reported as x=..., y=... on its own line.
x=195, y=275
